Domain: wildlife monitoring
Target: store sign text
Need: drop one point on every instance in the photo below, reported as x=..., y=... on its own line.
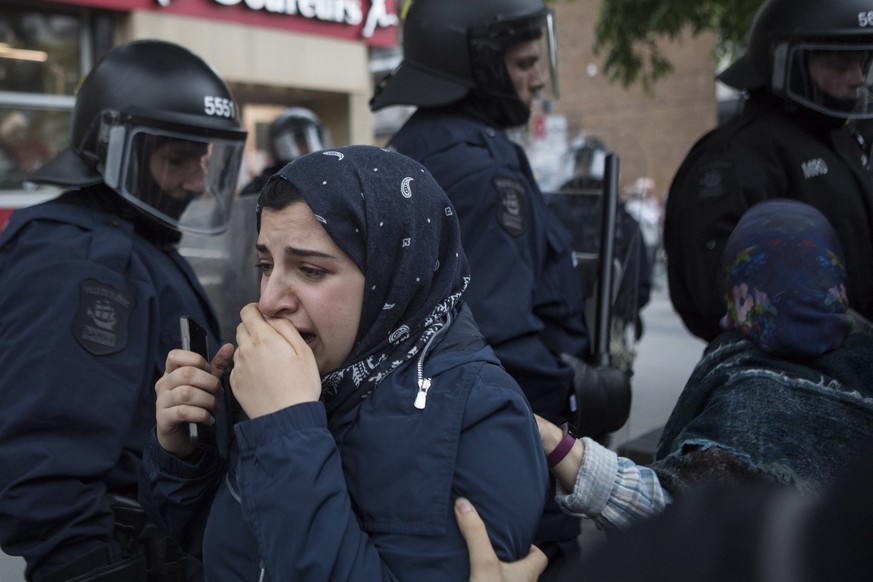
x=349, y=12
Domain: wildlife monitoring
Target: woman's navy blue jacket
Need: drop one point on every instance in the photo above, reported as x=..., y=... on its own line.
x=369, y=495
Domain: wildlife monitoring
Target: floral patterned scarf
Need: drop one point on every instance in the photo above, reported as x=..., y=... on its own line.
x=785, y=280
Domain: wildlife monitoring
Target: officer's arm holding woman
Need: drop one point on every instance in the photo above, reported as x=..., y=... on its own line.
x=369, y=399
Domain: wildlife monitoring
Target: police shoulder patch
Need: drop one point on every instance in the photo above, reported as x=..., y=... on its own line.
x=512, y=205
x=713, y=180
x=102, y=320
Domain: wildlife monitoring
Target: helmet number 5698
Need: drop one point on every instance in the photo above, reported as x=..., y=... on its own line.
x=218, y=106
x=865, y=19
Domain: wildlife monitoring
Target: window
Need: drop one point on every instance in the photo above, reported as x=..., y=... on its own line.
x=42, y=58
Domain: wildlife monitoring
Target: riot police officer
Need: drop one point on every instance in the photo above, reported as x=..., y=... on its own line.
x=91, y=291
x=806, y=73
x=474, y=69
x=295, y=132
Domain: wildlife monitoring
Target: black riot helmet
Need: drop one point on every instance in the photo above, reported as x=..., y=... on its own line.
x=792, y=41
x=295, y=132
x=455, y=48
x=155, y=123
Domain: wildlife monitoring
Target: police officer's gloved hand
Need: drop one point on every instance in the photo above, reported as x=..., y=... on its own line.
x=603, y=398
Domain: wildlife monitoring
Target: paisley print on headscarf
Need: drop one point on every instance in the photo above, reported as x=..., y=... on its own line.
x=389, y=215
x=785, y=281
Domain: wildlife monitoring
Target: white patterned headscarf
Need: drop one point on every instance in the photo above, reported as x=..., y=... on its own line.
x=389, y=215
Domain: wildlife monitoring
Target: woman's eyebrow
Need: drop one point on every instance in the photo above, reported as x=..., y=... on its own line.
x=297, y=252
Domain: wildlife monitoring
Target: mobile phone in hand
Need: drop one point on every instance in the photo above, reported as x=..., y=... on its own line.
x=195, y=339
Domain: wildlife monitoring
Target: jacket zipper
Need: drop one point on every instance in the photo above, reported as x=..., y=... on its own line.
x=424, y=383
x=421, y=395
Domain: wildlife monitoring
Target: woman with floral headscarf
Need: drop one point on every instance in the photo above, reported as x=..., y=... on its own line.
x=369, y=399
x=784, y=394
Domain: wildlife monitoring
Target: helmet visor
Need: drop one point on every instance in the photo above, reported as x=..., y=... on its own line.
x=184, y=180
x=516, y=58
x=295, y=142
x=834, y=79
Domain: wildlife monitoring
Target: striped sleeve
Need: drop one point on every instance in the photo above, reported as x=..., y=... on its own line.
x=613, y=491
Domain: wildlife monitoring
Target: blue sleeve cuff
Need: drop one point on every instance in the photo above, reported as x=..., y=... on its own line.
x=204, y=460
x=256, y=432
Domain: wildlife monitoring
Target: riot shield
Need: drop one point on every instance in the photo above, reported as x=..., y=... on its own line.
x=225, y=265
x=615, y=320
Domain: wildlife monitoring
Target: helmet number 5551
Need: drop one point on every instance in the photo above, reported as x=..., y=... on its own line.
x=865, y=19
x=218, y=106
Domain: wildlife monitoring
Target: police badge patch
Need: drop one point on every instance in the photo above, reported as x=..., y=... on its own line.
x=101, y=324
x=713, y=180
x=512, y=209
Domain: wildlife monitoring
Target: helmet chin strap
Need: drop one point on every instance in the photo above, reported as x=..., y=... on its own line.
x=514, y=112
x=838, y=105
x=502, y=111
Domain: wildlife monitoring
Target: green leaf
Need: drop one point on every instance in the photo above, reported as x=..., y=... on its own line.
x=629, y=31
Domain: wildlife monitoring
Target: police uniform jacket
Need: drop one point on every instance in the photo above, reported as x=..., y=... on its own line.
x=524, y=290
x=768, y=152
x=368, y=494
x=254, y=187
x=89, y=309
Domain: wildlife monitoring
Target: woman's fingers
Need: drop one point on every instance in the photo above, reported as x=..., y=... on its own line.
x=484, y=564
x=273, y=366
x=187, y=392
x=222, y=360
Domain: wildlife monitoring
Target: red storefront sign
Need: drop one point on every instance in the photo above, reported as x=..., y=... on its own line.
x=371, y=21
x=5, y=213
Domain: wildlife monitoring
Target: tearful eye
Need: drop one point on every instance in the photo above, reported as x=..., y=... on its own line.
x=313, y=272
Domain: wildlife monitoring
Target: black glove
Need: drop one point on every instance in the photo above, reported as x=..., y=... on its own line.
x=104, y=564
x=603, y=398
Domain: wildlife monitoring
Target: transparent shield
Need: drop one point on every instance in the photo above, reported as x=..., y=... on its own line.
x=551, y=48
x=225, y=264
x=580, y=211
x=186, y=181
x=295, y=142
x=517, y=58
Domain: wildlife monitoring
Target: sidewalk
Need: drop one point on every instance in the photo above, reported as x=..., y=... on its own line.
x=666, y=355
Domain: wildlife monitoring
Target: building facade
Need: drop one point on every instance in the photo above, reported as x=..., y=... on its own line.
x=650, y=132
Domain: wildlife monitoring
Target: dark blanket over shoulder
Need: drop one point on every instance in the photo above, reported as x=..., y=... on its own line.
x=745, y=414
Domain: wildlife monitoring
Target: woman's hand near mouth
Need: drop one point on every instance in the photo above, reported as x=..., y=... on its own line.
x=273, y=366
